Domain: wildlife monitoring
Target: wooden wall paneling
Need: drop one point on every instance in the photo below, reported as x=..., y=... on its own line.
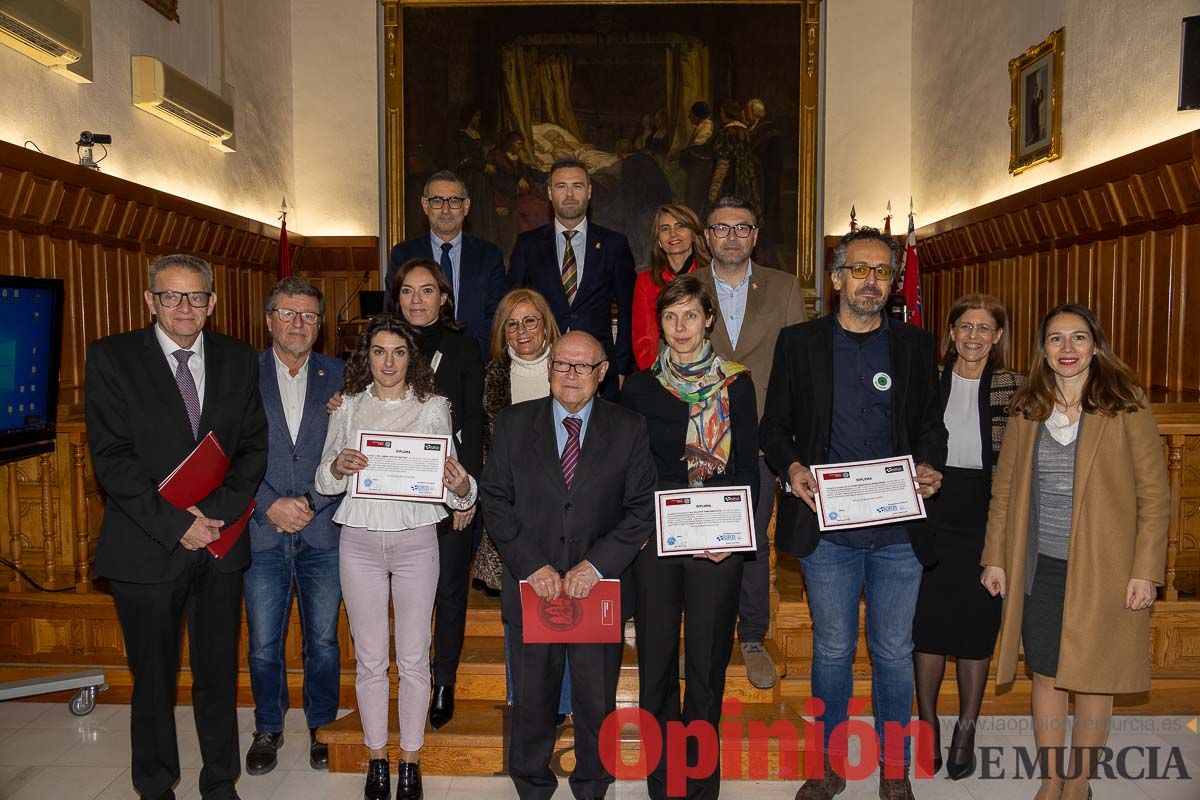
x=1187, y=304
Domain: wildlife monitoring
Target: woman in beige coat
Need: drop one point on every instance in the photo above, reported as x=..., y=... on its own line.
x=1078, y=528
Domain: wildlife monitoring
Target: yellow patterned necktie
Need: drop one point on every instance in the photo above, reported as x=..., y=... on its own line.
x=570, y=272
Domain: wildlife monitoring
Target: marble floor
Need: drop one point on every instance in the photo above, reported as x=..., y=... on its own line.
x=45, y=752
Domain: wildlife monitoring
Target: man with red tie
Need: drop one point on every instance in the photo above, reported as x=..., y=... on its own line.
x=582, y=270
x=568, y=498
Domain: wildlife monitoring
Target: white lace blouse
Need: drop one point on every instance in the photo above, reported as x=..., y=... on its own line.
x=364, y=411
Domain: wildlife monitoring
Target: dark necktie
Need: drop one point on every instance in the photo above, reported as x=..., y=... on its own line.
x=570, y=272
x=448, y=265
x=570, y=454
x=187, y=389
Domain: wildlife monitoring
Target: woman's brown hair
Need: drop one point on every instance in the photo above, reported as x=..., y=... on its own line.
x=446, y=312
x=1111, y=386
x=504, y=311
x=680, y=290
x=418, y=377
x=998, y=357
x=659, y=265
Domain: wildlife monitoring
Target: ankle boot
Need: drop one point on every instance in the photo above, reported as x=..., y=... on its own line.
x=408, y=781
x=379, y=783
x=828, y=786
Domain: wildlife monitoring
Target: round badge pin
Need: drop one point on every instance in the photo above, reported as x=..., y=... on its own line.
x=882, y=381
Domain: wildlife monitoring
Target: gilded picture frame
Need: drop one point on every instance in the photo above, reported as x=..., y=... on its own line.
x=168, y=8
x=1035, y=115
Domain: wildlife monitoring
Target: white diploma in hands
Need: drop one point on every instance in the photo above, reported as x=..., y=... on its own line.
x=402, y=466
x=861, y=493
x=693, y=521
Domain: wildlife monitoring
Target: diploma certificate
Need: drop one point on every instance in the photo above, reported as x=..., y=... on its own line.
x=691, y=521
x=402, y=466
x=861, y=493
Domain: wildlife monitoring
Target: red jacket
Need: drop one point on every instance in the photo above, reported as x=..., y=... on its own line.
x=645, y=321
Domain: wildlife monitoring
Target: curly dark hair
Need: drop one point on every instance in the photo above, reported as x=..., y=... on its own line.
x=419, y=376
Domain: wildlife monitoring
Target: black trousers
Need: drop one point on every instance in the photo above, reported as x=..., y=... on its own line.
x=705, y=595
x=754, y=605
x=151, y=617
x=455, y=553
x=537, y=680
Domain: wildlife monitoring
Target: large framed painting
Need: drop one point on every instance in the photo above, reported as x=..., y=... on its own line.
x=1035, y=116
x=670, y=102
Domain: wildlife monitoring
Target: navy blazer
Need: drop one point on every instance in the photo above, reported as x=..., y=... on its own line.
x=480, y=287
x=608, y=278
x=292, y=468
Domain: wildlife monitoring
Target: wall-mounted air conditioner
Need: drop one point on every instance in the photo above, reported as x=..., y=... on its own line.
x=172, y=96
x=48, y=31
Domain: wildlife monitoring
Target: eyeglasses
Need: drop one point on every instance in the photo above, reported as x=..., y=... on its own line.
x=436, y=201
x=982, y=328
x=741, y=230
x=307, y=317
x=529, y=323
x=579, y=369
x=171, y=298
x=860, y=271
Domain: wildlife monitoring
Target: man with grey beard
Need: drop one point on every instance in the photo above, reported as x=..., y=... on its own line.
x=854, y=386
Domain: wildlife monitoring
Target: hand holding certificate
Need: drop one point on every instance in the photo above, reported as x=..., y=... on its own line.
x=863, y=493
x=401, y=466
x=699, y=521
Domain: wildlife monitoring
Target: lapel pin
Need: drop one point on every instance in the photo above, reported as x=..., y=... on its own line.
x=320, y=373
x=597, y=245
x=754, y=286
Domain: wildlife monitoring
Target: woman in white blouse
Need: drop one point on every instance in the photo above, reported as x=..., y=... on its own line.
x=389, y=545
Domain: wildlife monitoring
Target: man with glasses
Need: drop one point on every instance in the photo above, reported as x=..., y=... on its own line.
x=473, y=266
x=292, y=534
x=755, y=303
x=853, y=386
x=582, y=270
x=150, y=396
x=568, y=496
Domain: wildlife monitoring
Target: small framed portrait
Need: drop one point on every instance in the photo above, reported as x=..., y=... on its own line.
x=1035, y=116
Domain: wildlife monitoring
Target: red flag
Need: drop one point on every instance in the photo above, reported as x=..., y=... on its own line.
x=911, y=276
x=285, y=257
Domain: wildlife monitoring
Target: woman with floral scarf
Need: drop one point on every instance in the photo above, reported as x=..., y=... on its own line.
x=700, y=411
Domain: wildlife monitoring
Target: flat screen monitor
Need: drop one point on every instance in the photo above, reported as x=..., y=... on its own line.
x=30, y=344
x=1189, y=65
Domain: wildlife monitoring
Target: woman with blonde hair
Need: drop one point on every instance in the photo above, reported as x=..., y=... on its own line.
x=679, y=248
x=1076, y=540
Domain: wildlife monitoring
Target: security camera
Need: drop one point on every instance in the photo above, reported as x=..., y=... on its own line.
x=87, y=140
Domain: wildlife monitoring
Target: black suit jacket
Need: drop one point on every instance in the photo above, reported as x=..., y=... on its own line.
x=608, y=278
x=534, y=520
x=480, y=287
x=797, y=415
x=138, y=431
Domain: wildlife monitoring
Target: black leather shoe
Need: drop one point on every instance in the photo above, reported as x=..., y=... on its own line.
x=408, y=781
x=958, y=768
x=441, y=710
x=318, y=754
x=261, y=757
x=379, y=783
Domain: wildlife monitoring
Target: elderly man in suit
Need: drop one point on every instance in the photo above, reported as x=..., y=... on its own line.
x=582, y=270
x=568, y=496
x=150, y=396
x=474, y=267
x=755, y=303
x=292, y=534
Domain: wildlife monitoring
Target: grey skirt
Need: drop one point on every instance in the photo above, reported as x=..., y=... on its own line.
x=1041, y=620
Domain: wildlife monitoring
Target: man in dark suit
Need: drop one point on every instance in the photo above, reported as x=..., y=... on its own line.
x=568, y=497
x=854, y=386
x=292, y=533
x=582, y=270
x=150, y=396
x=474, y=267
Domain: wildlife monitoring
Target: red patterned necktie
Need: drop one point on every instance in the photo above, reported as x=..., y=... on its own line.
x=570, y=454
x=570, y=271
x=187, y=388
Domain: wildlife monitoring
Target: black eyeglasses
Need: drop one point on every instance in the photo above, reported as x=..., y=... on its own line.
x=741, y=230
x=579, y=369
x=170, y=298
x=436, y=201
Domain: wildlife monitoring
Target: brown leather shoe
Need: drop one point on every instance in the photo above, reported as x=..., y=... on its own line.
x=895, y=789
x=826, y=787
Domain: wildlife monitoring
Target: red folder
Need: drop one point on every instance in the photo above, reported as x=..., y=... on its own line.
x=196, y=477
x=596, y=619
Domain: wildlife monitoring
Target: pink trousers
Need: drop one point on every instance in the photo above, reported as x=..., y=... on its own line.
x=402, y=566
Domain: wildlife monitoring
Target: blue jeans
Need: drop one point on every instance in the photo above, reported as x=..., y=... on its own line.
x=834, y=575
x=313, y=573
x=564, y=694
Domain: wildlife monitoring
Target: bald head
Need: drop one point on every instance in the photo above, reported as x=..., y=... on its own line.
x=573, y=354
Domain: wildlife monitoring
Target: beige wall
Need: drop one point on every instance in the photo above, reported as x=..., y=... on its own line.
x=868, y=111
x=1120, y=90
